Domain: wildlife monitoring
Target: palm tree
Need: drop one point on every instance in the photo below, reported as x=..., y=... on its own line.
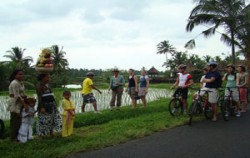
x=60, y=63
x=217, y=13
x=16, y=57
x=165, y=47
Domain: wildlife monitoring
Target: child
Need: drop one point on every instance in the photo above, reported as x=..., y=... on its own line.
x=25, y=131
x=68, y=114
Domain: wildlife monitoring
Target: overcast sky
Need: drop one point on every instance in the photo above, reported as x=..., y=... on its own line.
x=102, y=34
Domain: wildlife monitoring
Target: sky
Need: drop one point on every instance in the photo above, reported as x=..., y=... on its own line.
x=102, y=34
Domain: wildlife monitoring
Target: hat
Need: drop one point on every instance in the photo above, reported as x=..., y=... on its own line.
x=182, y=66
x=90, y=74
x=212, y=63
x=242, y=67
x=115, y=70
x=231, y=65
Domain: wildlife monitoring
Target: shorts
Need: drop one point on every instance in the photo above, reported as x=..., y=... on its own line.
x=202, y=92
x=88, y=98
x=131, y=91
x=142, y=91
x=182, y=91
x=235, y=94
x=213, y=95
x=243, y=94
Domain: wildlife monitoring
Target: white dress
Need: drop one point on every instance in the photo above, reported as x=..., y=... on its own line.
x=25, y=131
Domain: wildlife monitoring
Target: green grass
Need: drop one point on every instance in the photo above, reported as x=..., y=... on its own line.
x=95, y=131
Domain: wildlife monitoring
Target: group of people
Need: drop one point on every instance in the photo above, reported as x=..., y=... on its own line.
x=136, y=89
x=49, y=119
x=211, y=80
x=22, y=111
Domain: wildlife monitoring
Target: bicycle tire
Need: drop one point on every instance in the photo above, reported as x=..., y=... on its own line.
x=208, y=111
x=175, y=107
x=225, y=110
x=1, y=128
x=192, y=112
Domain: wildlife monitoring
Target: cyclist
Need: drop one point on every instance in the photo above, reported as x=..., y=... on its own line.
x=231, y=77
x=213, y=81
x=202, y=84
x=183, y=81
x=242, y=82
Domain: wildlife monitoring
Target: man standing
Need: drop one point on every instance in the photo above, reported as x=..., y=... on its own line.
x=87, y=87
x=183, y=81
x=117, y=83
x=213, y=81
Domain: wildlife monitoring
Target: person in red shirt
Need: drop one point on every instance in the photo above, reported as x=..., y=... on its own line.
x=183, y=81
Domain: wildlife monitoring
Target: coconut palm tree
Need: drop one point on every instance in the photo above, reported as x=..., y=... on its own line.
x=217, y=13
x=16, y=56
x=60, y=64
x=165, y=47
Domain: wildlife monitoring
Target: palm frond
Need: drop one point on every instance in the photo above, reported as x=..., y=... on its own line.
x=190, y=44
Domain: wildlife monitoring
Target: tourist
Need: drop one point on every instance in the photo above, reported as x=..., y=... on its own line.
x=183, y=81
x=117, y=83
x=143, y=89
x=132, y=88
x=49, y=118
x=68, y=114
x=242, y=83
x=16, y=102
x=87, y=87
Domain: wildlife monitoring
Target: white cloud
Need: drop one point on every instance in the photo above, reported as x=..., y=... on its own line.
x=101, y=34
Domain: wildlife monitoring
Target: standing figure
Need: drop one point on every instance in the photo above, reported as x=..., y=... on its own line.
x=26, y=132
x=143, y=89
x=231, y=78
x=49, y=118
x=132, y=87
x=202, y=84
x=68, y=114
x=213, y=82
x=117, y=83
x=16, y=102
x=183, y=81
x=242, y=82
x=87, y=87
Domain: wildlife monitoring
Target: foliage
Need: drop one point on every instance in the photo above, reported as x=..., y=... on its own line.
x=217, y=13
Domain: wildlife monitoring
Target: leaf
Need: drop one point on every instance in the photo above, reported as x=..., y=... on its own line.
x=190, y=44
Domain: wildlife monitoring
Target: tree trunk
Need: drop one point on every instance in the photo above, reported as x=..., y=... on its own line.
x=233, y=47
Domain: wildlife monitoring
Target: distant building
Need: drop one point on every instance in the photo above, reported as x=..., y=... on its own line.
x=153, y=72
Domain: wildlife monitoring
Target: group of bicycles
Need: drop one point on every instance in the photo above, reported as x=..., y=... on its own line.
x=200, y=105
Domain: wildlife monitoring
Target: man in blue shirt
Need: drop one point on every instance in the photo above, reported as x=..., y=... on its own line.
x=213, y=81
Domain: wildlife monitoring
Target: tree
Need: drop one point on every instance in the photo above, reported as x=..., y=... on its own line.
x=16, y=57
x=60, y=64
x=217, y=13
x=165, y=47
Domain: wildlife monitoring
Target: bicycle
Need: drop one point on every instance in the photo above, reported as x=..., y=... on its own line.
x=175, y=105
x=1, y=128
x=200, y=105
x=228, y=108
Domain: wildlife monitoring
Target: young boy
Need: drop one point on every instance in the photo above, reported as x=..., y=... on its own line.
x=68, y=114
x=25, y=131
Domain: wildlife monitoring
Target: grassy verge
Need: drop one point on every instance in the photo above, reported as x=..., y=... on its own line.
x=95, y=131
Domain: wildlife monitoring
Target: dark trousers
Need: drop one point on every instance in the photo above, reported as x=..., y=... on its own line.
x=15, y=123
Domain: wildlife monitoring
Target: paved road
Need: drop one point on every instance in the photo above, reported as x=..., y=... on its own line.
x=204, y=139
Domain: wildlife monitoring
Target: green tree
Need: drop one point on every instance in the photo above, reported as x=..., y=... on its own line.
x=60, y=65
x=165, y=47
x=217, y=13
x=16, y=56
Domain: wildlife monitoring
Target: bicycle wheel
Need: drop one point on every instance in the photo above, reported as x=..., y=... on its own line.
x=225, y=110
x=208, y=111
x=175, y=107
x=192, y=111
x=1, y=128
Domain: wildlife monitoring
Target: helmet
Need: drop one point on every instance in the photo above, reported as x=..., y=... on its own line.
x=212, y=63
x=182, y=66
x=90, y=74
x=242, y=67
x=231, y=65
